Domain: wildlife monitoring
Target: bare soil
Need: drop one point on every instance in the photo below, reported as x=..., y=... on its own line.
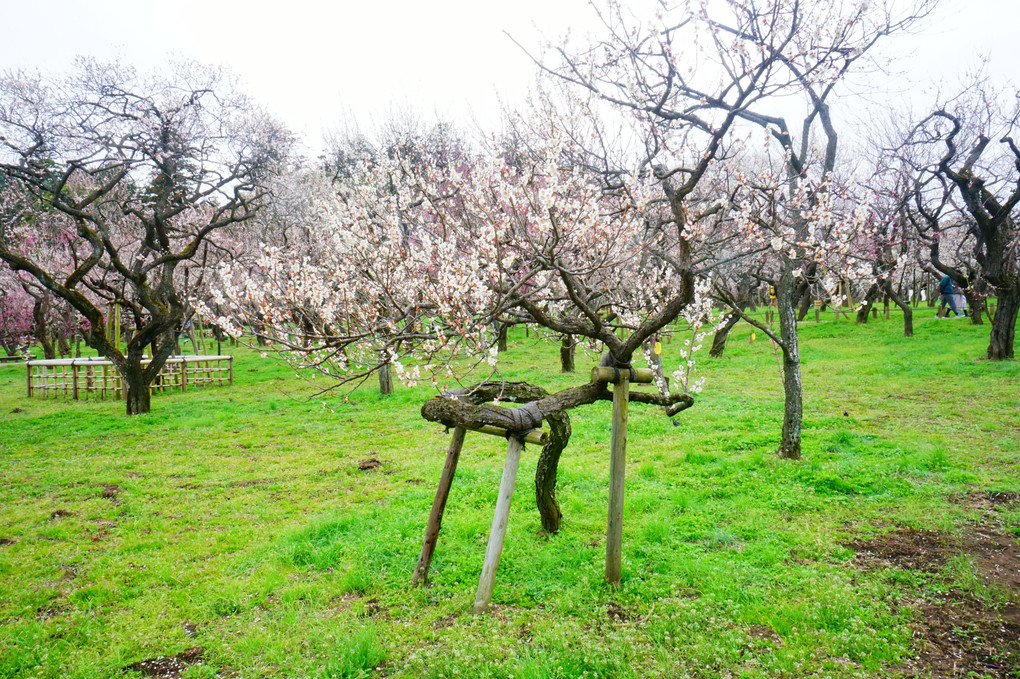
x=167, y=667
x=959, y=633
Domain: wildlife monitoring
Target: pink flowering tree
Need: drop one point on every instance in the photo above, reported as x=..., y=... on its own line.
x=16, y=322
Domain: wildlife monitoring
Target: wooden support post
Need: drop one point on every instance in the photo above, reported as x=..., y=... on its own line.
x=28, y=370
x=487, y=581
x=617, y=464
x=428, y=547
x=74, y=378
x=184, y=375
x=230, y=370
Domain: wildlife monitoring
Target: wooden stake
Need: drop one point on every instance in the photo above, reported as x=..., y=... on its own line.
x=428, y=547
x=617, y=463
x=487, y=581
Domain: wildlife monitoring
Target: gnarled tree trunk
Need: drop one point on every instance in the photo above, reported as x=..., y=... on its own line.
x=868, y=304
x=721, y=335
x=908, y=313
x=568, y=348
x=1000, y=345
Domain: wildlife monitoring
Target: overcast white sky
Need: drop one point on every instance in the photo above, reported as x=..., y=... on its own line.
x=315, y=64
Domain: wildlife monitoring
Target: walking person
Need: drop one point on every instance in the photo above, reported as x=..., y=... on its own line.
x=948, y=293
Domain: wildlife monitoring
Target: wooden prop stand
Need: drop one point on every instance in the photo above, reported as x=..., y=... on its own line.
x=428, y=548
x=497, y=533
x=620, y=379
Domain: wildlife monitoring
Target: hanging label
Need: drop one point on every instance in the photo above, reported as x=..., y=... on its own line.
x=752, y=336
x=658, y=348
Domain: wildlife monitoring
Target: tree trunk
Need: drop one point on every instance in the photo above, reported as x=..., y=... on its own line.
x=62, y=345
x=567, y=349
x=975, y=305
x=545, y=472
x=719, y=341
x=503, y=329
x=908, y=313
x=793, y=406
x=805, y=306
x=42, y=335
x=1000, y=345
x=868, y=305
x=385, y=379
x=138, y=395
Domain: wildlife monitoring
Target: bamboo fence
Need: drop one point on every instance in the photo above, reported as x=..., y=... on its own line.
x=80, y=378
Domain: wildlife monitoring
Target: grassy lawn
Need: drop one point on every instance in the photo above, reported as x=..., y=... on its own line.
x=232, y=531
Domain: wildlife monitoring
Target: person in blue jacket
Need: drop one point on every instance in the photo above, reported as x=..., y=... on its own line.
x=946, y=290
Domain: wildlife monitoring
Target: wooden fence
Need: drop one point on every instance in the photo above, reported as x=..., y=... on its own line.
x=81, y=377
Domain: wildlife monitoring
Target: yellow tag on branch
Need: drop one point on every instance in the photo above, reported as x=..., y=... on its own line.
x=752, y=336
x=658, y=348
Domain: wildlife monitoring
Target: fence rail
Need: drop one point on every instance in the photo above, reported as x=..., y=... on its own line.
x=80, y=378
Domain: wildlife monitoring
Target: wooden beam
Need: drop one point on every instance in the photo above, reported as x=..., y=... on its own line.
x=487, y=581
x=428, y=548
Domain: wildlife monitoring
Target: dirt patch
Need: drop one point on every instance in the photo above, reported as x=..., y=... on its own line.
x=764, y=632
x=369, y=464
x=167, y=667
x=111, y=491
x=60, y=514
x=958, y=634
x=341, y=604
x=6, y=541
x=373, y=609
x=445, y=621
x=16, y=411
x=1002, y=497
x=249, y=482
x=50, y=612
x=617, y=613
x=907, y=548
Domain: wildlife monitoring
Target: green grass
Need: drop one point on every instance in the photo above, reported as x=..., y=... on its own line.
x=243, y=524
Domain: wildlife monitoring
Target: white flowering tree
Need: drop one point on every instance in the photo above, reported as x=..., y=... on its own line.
x=697, y=72
x=414, y=262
